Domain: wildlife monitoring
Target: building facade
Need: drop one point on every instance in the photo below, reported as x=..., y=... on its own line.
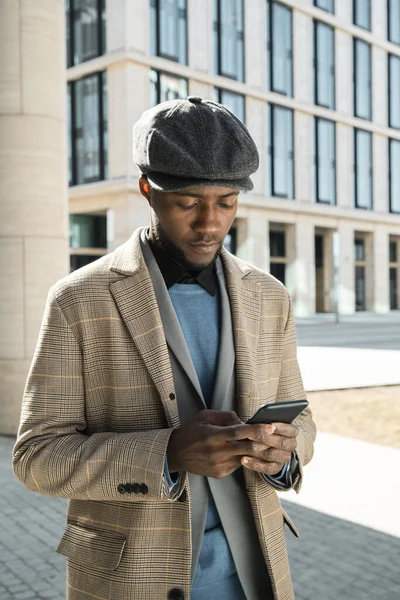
x=317, y=82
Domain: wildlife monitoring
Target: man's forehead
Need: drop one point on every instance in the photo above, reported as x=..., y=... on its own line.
x=208, y=191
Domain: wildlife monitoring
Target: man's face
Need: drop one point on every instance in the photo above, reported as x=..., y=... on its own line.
x=191, y=225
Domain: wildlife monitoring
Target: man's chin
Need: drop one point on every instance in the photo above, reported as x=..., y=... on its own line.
x=197, y=263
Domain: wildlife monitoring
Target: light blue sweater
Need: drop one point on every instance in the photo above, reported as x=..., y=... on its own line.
x=199, y=316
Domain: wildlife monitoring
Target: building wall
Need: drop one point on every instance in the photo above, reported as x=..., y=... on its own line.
x=128, y=61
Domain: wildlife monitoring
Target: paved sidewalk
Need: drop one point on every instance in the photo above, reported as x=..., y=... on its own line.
x=333, y=559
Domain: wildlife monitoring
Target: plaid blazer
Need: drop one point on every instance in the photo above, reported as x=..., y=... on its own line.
x=99, y=407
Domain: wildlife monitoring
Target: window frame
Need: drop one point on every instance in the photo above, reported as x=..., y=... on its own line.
x=157, y=34
x=101, y=38
x=161, y=72
x=355, y=42
x=218, y=91
x=270, y=48
x=331, y=12
x=371, y=174
x=392, y=210
x=317, y=120
x=271, y=151
x=74, y=154
x=218, y=25
x=316, y=24
x=393, y=57
x=355, y=4
x=388, y=13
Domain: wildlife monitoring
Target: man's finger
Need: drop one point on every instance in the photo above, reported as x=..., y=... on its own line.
x=269, y=468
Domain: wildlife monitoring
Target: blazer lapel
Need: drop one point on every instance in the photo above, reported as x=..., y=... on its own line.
x=172, y=328
x=245, y=302
x=137, y=304
x=226, y=354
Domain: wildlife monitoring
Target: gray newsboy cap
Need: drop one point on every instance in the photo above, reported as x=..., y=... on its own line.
x=180, y=144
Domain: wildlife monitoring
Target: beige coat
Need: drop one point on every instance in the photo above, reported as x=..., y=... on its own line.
x=101, y=365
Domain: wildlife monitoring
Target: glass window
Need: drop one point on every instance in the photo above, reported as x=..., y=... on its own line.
x=359, y=250
x=277, y=246
x=325, y=161
x=77, y=261
x=362, y=79
x=234, y=102
x=168, y=29
x=327, y=5
x=280, y=152
x=278, y=270
x=324, y=65
x=394, y=91
x=392, y=251
x=165, y=87
x=394, y=175
x=88, y=125
x=279, y=49
x=87, y=231
x=394, y=21
x=229, y=38
x=363, y=169
x=360, y=287
x=85, y=24
x=393, y=289
x=362, y=13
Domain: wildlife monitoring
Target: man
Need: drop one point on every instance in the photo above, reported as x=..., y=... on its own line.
x=149, y=363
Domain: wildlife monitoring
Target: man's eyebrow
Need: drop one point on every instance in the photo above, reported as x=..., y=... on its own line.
x=194, y=195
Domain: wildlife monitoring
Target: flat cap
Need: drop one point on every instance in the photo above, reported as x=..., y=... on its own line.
x=180, y=144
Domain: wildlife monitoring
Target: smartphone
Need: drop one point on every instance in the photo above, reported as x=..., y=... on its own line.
x=278, y=412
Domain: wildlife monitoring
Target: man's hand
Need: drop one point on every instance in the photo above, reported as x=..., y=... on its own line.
x=270, y=447
x=216, y=443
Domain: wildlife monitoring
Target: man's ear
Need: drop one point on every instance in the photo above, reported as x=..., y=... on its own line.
x=145, y=189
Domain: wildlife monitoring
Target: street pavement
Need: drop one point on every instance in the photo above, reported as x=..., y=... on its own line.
x=333, y=559
x=361, y=350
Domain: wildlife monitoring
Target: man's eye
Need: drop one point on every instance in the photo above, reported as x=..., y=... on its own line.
x=227, y=206
x=186, y=206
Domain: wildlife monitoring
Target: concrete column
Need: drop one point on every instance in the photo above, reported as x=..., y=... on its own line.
x=256, y=114
x=301, y=266
x=344, y=72
x=379, y=18
x=128, y=213
x=304, y=154
x=128, y=25
x=380, y=271
x=200, y=35
x=255, y=250
x=346, y=268
x=303, y=57
x=128, y=98
x=343, y=11
x=380, y=171
x=344, y=166
x=379, y=61
x=33, y=183
x=255, y=37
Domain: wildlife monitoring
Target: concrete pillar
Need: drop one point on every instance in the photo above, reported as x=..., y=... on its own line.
x=343, y=11
x=379, y=60
x=303, y=57
x=344, y=72
x=380, y=250
x=304, y=153
x=379, y=19
x=200, y=35
x=346, y=268
x=344, y=166
x=380, y=171
x=255, y=122
x=255, y=36
x=129, y=212
x=255, y=250
x=33, y=183
x=128, y=25
x=301, y=266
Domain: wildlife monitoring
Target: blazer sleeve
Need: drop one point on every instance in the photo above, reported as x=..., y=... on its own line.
x=54, y=456
x=290, y=387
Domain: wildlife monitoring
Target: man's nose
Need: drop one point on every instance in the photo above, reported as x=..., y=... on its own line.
x=207, y=220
